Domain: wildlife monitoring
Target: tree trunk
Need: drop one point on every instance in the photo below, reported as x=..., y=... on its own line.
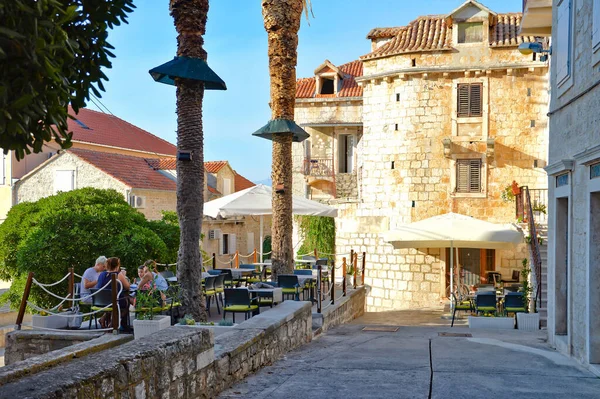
x=190, y=22
x=282, y=22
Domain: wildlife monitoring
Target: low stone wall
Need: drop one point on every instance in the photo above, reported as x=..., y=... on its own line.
x=23, y=344
x=344, y=310
x=179, y=362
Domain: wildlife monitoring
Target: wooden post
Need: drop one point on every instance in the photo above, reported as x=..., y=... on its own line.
x=254, y=257
x=24, y=300
x=333, y=282
x=214, y=261
x=355, y=264
x=237, y=259
x=364, y=267
x=344, y=275
x=352, y=264
x=319, y=282
x=115, y=303
x=71, y=285
x=316, y=254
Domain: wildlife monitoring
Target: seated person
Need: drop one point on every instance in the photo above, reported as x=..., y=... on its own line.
x=90, y=279
x=150, y=278
x=113, y=267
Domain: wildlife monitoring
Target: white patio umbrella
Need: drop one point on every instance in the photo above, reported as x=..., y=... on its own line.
x=256, y=201
x=454, y=230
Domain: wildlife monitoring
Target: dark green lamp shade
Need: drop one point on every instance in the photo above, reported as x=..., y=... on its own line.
x=187, y=68
x=278, y=126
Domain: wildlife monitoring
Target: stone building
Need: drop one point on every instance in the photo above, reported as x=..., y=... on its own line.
x=573, y=175
x=441, y=116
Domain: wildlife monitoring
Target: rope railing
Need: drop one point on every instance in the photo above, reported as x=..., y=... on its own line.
x=209, y=260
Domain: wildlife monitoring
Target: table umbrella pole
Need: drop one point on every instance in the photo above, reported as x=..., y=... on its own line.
x=261, y=239
x=451, y=270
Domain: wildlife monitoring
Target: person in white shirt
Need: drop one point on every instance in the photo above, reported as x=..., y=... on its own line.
x=90, y=278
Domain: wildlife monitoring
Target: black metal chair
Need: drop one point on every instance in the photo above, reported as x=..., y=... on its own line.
x=100, y=300
x=464, y=305
x=173, y=301
x=485, y=302
x=220, y=287
x=229, y=281
x=210, y=292
x=289, y=285
x=238, y=300
x=255, y=278
x=514, y=302
x=214, y=272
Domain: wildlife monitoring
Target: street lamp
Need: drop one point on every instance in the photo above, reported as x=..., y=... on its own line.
x=535, y=48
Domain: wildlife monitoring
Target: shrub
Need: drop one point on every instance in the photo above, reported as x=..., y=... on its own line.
x=72, y=229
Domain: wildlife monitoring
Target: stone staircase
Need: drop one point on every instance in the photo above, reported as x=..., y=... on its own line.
x=543, y=309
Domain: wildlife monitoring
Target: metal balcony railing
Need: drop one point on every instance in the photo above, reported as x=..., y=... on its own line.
x=318, y=167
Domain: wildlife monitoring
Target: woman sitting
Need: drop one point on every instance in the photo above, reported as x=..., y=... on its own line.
x=113, y=267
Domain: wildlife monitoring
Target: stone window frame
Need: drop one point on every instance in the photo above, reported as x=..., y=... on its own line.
x=485, y=31
x=566, y=84
x=483, y=119
x=484, y=177
x=337, y=82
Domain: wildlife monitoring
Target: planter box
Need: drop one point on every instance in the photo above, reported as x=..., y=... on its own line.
x=142, y=328
x=496, y=323
x=528, y=321
x=50, y=321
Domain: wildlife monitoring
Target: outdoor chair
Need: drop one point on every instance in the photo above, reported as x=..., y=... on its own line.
x=99, y=301
x=465, y=305
x=214, y=272
x=167, y=274
x=323, y=262
x=220, y=287
x=173, y=301
x=229, y=281
x=289, y=285
x=308, y=265
x=486, y=287
x=310, y=285
x=514, y=303
x=485, y=302
x=237, y=300
x=210, y=292
x=255, y=278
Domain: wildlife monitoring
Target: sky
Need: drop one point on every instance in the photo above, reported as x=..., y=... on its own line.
x=236, y=43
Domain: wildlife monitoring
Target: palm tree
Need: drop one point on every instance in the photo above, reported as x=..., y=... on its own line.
x=190, y=22
x=282, y=22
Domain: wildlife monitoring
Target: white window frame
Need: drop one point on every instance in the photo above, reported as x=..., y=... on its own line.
x=564, y=82
x=58, y=172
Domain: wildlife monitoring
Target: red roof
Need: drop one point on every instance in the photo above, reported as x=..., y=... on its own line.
x=134, y=172
x=214, y=166
x=104, y=129
x=306, y=87
x=163, y=163
x=212, y=190
x=241, y=183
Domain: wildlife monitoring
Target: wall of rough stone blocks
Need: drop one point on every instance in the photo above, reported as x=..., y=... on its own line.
x=156, y=202
x=573, y=130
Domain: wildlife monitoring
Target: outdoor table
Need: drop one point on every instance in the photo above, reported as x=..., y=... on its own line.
x=275, y=293
x=237, y=274
x=174, y=278
x=306, y=261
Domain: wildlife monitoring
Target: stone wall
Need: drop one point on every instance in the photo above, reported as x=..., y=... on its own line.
x=179, y=362
x=156, y=202
x=23, y=344
x=344, y=310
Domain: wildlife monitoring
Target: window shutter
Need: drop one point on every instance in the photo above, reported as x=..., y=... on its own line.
x=475, y=175
x=64, y=180
x=563, y=42
x=463, y=100
x=475, y=99
x=462, y=175
x=221, y=246
x=226, y=186
x=596, y=26
x=232, y=243
x=250, y=243
x=3, y=170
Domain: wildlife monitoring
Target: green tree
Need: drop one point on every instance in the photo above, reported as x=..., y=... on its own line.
x=72, y=229
x=52, y=53
x=318, y=233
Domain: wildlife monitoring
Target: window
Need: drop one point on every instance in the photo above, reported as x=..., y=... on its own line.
x=562, y=180
x=469, y=100
x=470, y=32
x=226, y=186
x=227, y=244
x=327, y=86
x=596, y=26
x=346, y=153
x=595, y=171
x=468, y=175
x=64, y=180
x=562, y=51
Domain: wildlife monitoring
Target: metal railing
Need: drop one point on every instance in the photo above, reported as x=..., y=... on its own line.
x=534, y=244
x=318, y=167
x=539, y=205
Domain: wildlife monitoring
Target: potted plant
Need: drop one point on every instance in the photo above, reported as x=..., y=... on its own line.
x=146, y=303
x=45, y=320
x=529, y=321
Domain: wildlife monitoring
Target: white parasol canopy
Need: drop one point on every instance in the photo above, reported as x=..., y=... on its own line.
x=257, y=201
x=455, y=231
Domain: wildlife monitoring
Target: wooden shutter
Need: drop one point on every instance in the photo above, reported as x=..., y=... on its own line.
x=470, y=99
x=596, y=25
x=563, y=42
x=468, y=175
x=250, y=242
x=232, y=245
x=64, y=180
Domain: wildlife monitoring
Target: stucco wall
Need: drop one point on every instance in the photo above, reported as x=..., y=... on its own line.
x=156, y=202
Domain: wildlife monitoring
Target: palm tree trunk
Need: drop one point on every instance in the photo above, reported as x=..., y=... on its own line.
x=282, y=22
x=190, y=22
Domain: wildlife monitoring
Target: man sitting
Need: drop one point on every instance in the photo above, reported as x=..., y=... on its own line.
x=90, y=278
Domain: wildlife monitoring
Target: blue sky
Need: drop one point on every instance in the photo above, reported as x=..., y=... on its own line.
x=237, y=50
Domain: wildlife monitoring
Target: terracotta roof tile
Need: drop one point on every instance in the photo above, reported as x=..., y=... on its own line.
x=213, y=190
x=305, y=87
x=382, y=33
x=163, y=163
x=135, y=172
x=434, y=33
x=104, y=129
x=241, y=183
x=214, y=166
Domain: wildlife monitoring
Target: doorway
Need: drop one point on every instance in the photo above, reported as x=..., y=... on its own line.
x=346, y=153
x=472, y=265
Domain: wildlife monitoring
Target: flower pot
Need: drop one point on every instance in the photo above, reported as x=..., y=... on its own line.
x=516, y=190
x=50, y=321
x=497, y=323
x=142, y=328
x=528, y=321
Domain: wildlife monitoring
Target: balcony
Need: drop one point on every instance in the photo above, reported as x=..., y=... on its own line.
x=318, y=167
x=537, y=18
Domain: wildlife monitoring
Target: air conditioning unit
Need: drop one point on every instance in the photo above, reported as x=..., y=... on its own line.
x=214, y=234
x=137, y=202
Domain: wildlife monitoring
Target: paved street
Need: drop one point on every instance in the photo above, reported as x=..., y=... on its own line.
x=350, y=363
